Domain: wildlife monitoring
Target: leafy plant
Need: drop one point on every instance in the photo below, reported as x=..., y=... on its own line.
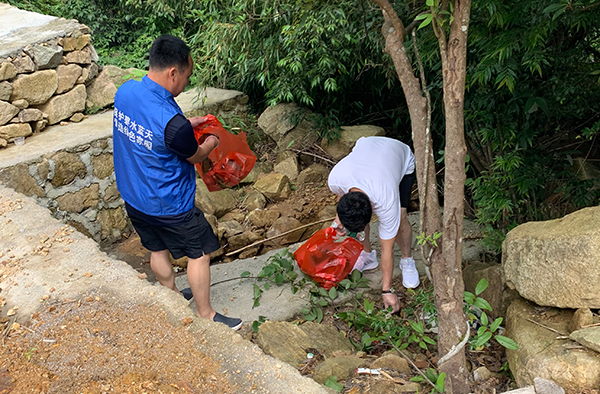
x=332, y=382
x=486, y=330
x=256, y=323
x=438, y=379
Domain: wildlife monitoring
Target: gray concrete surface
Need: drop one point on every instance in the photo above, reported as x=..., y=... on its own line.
x=79, y=268
x=18, y=28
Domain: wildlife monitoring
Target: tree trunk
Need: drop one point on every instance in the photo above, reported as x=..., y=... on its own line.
x=447, y=272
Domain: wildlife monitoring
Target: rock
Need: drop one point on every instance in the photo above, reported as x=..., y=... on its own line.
x=82, y=56
x=43, y=169
x=341, y=367
x=315, y=174
x=250, y=252
x=212, y=220
x=101, y=92
x=497, y=294
x=75, y=42
x=287, y=341
x=254, y=200
x=7, y=71
x=119, y=76
x=80, y=200
x=230, y=228
x=386, y=387
x=540, y=354
x=240, y=240
x=543, y=261
x=348, y=137
x=3, y=143
x=29, y=115
x=103, y=165
x=65, y=105
x=111, y=193
x=545, y=386
x=67, y=77
x=7, y=112
x=9, y=132
x=236, y=215
x=287, y=164
x=289, y=124
x=214, y=203
x=482, y=374
x=88, y=74
x=581, y=317
x=392, y=362
x=67, y=166
x=588, y=337
x=21, y=181
x=5, y=90
x=263, y=218
x=21, y=103
x=76, y=118
x=40, y=125
x=259, y=169
x=45, y=56
x=112, y=222
x=283, y=225
x=24, y=64
x=275, y=187
x=36, y=88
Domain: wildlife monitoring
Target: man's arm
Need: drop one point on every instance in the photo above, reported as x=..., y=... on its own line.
x=210, y=143
x=387, y=270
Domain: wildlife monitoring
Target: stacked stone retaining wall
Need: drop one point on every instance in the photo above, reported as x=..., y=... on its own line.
x=78, y=186
x=49, y=77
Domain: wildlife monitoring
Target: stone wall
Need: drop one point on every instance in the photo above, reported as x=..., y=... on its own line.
x=51, y=82
x=78, y=186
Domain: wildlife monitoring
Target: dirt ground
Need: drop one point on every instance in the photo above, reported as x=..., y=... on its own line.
x=91, y=346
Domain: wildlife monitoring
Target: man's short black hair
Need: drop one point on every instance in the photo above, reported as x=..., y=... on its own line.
x=168, y=51
x=354, y=210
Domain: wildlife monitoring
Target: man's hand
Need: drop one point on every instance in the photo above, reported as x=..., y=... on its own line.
x=391, y=300
x=211, y=140
x=340, y=231
x=197, y=120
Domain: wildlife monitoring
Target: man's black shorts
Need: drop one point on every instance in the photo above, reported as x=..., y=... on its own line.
x=406, y=185
x=193, y=239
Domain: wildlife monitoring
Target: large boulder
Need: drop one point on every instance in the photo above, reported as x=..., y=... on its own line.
x=263, y=217
x=289, y=124
x=254, y=200
x=348, y=137
x=314, y=174
x=284, y=225
x=82, y=56
x=18, y=178
x=65, y=105
x=497, y=293
x=341, y=367
x=541, y=354
x=101, y=92
x=36, y=88
x=119, y=76
x=67, y=167
x=555, y=263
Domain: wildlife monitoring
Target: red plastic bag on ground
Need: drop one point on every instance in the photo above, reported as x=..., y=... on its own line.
x=228, y=163
x=326, y=260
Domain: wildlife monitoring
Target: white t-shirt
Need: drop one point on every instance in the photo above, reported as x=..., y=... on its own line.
x=376, y=166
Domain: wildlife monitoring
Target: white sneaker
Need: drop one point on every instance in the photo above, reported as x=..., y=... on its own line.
x=366, y=261
x=410, y=275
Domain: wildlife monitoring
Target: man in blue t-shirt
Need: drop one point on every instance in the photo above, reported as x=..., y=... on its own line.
x=154, y=155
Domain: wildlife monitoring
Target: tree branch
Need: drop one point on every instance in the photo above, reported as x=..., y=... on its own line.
x=391, y=13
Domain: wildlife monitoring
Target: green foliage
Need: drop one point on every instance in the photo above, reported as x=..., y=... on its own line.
x=438, y=379
x=486, y=330
x=332, y=382
x=377, y=325
x=256, y=323
x=424, y=239
x=278, y=269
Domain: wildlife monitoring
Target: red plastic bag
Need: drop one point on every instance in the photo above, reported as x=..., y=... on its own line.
x=228, y=163
x=326, y=260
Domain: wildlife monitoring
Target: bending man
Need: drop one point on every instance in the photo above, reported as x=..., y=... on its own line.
x=377, y=177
